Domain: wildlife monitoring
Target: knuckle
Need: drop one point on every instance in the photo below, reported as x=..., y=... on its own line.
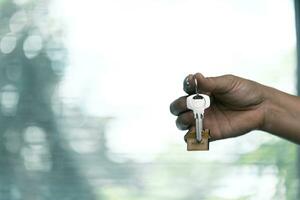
x=178, y=106
x=198, y=75
x=230, y=76
x=182, y=103
x=172, y=108
x=178, y=124
x=183, y=122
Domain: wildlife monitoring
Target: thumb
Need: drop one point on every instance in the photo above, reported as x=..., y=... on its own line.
x=218, y=84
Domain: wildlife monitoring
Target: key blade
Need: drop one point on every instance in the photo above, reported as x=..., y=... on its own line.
x=199, y=127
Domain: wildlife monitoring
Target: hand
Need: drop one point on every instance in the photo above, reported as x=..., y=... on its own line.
x=237, y=105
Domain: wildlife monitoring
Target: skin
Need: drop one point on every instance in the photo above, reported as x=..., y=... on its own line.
x=240, y=106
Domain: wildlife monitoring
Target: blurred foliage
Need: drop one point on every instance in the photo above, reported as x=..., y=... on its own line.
x=281, y=154
x=43, y=150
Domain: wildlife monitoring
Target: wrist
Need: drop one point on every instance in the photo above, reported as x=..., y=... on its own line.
x=281, y=114
x=277, y=108
x=269, y=109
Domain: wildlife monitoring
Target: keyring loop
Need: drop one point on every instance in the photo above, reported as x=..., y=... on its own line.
x=196, y=84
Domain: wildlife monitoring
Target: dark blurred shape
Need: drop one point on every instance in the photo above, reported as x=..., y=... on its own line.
x=48, y=149
x=9, y=98
x=33, y=163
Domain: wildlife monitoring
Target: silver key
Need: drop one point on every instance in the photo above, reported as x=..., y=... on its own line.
x=198, y=103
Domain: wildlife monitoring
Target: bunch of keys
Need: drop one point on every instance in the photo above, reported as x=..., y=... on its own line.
x=198, y=140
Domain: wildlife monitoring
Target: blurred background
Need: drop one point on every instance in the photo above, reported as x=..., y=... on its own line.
x=85, y=88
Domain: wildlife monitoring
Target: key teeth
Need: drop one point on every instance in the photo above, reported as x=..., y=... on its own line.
x=206, y=133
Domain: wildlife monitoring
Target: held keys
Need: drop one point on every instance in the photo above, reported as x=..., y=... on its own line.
x=198, y=103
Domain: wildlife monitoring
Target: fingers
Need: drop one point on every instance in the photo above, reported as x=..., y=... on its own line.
x=178, y=106
x=219, y=84
x=210, y=86
x=185, y=120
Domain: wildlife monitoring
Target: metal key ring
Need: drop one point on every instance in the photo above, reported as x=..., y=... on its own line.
x=196, y=84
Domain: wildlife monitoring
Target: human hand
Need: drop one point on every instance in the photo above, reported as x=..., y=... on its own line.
x=237, y=105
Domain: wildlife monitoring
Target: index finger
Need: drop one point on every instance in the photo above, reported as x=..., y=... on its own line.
x=178, y=106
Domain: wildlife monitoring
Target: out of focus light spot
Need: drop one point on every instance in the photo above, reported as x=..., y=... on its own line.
x=36, y=152
x=9, y=98
x=18, y=21
x=15, y=193
x=55, y=50
x=32, y=46
x=84, y=141
x=20, y=2
x=12, y=141
x=37, y=158
x=58, y=67
x=118, y=158
x=34, y=135
x=8, y=43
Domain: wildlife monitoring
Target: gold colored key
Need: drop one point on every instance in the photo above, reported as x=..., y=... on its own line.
x=194, y=145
